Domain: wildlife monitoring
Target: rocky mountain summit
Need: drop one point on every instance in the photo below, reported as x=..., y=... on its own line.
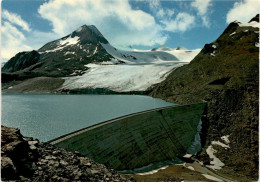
x=225, y=74
x=26, y=159
x=60, y=57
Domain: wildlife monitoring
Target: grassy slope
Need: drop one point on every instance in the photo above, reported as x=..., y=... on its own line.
x=229, y=82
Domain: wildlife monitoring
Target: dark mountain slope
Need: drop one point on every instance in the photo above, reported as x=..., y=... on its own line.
x=226, y=75
x=58, y=58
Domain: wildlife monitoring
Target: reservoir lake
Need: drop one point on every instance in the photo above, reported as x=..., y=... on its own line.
x=46, y=117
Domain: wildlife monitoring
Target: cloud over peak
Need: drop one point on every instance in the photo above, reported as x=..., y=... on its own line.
x=121, y=26
x=243, y=11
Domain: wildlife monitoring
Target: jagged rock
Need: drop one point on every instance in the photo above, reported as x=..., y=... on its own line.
x=8, y=169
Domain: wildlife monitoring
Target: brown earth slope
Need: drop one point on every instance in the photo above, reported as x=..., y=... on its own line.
x=226, y=75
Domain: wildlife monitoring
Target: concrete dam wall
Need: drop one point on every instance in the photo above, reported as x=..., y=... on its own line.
x=138, y=139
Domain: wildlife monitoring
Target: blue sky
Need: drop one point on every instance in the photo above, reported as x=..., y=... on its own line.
x=142, y=24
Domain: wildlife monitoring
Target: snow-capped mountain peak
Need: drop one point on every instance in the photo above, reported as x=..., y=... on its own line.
x=181, y=48
x=162, y=48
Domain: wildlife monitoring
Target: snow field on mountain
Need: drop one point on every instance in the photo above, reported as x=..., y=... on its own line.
x=141, y=70
x=120, y=78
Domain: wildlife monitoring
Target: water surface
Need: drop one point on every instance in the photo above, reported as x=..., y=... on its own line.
x=49, y=116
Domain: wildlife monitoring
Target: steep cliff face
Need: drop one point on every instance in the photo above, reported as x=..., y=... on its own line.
x=226, y=75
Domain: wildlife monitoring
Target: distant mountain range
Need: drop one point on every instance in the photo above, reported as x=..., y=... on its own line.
x=84, y=59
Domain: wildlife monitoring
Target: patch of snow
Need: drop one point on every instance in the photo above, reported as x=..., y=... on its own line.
x=58, y=69
x=187, y=156
x=225, y=139
x=95, y=51
x=152, y=172
x=220, y=144
x=107, y=63
x=212, y=178
x=67, y=59
x=63, y=43
x=212, y=54
x=80, y=46
x=246, y=31
x=257, y=44
x=232, y=34
x=69, y=41
x=216, y=164
x=191, y=168
x=69, y=53
x=254, y=24
x=214, y=46
x=10, y=87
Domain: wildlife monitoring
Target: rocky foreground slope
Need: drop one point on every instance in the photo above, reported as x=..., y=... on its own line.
x=226, y=75
x=25, y=159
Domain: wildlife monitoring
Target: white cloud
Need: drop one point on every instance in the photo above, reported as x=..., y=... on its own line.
x=182, y=22
x=12, y=41
x=202, y=7
x=116, y=20
x=15, y=20
x=158, y=10
x=243, y=11
x=170, y=12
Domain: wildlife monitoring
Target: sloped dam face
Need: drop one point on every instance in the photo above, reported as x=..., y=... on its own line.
x=139, y=139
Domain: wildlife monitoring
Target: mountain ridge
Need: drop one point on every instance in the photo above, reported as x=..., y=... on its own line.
x=225, y=74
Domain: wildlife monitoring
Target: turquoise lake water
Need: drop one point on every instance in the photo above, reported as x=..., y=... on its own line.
x=49, y=116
